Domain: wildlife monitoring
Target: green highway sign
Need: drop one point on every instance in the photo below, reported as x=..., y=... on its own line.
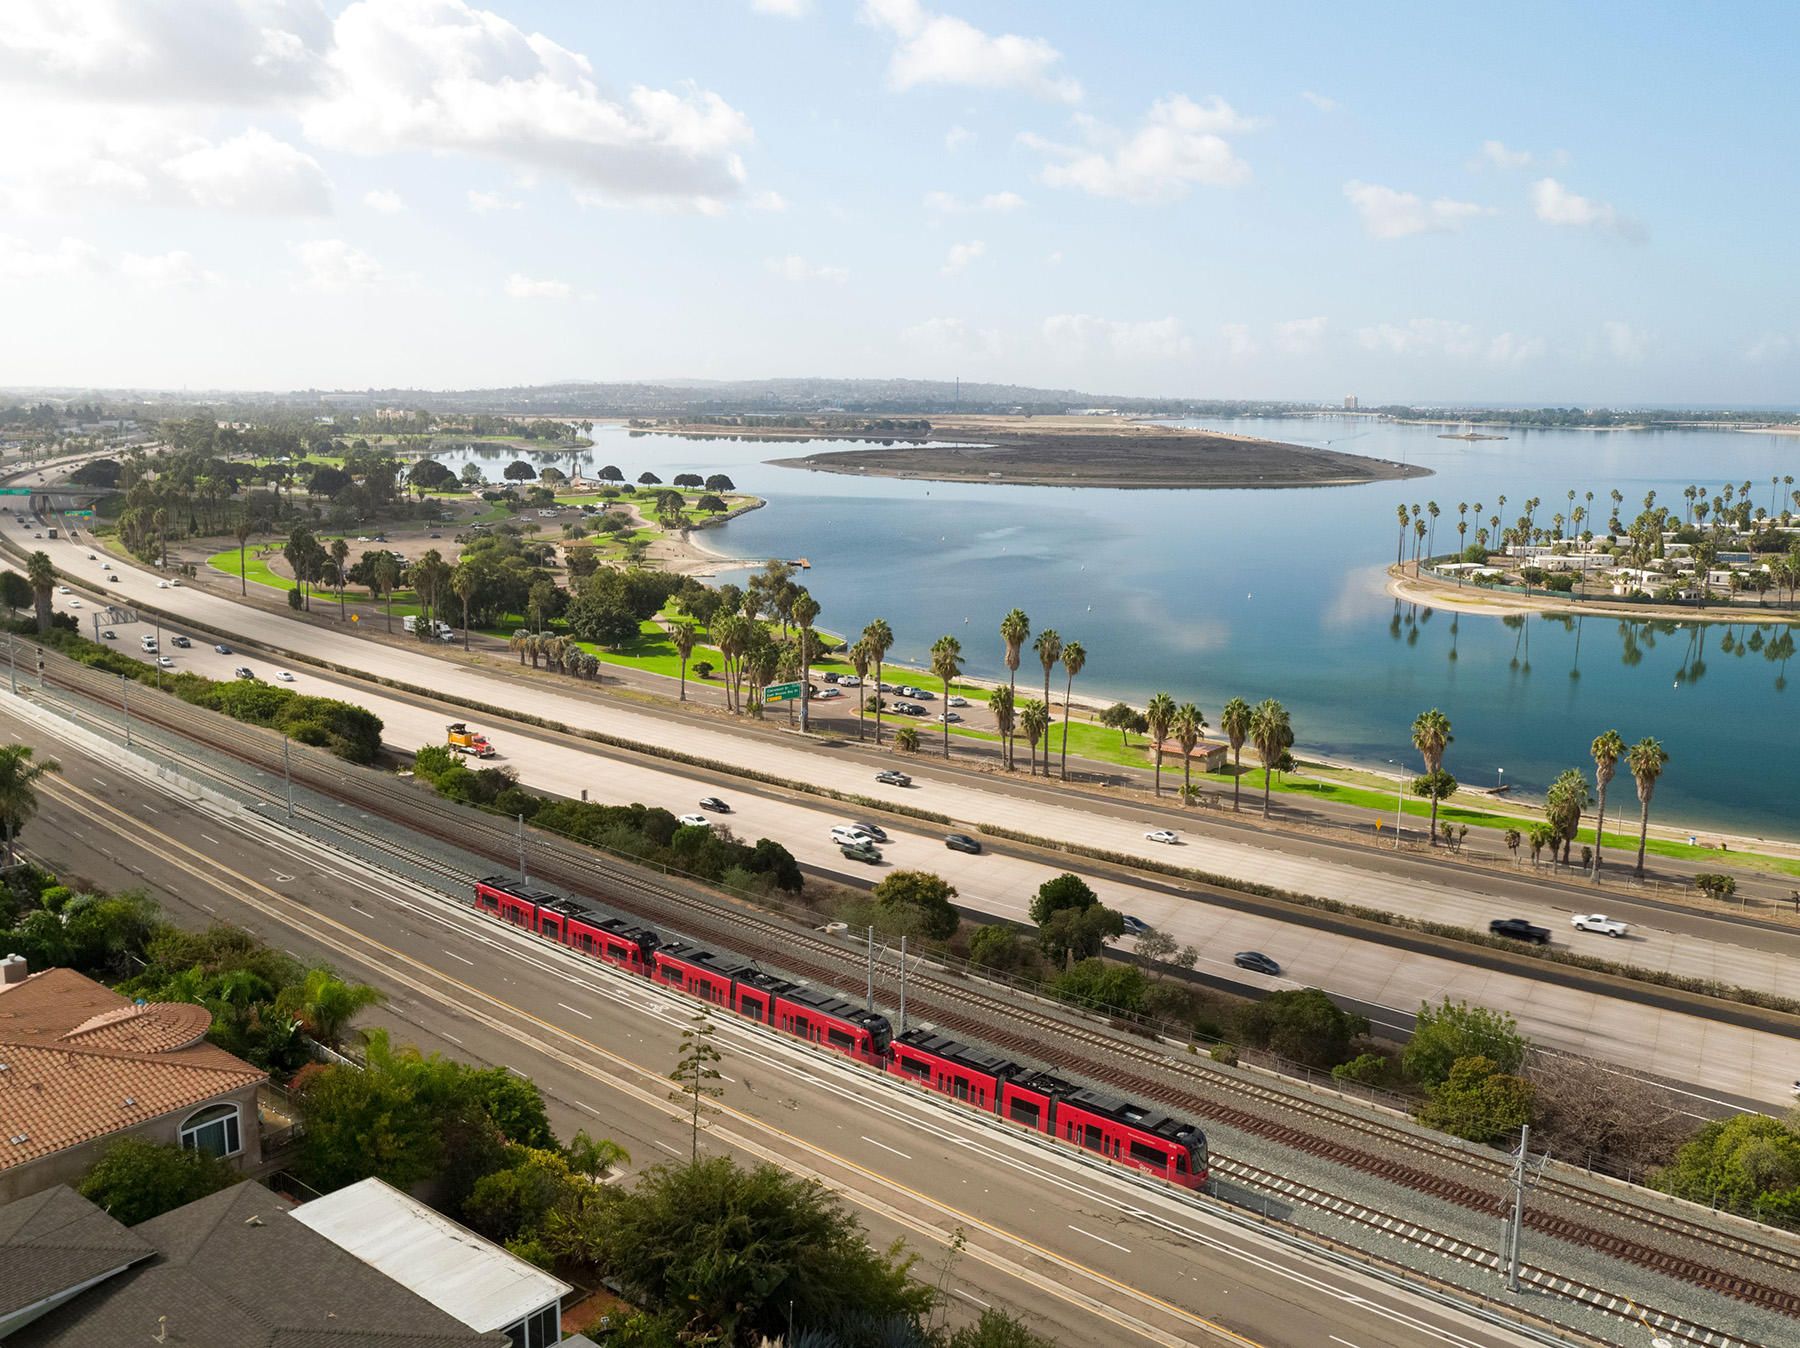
x=15, y=491
x=781, y=692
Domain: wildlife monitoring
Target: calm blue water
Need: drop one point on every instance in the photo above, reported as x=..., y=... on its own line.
x=1211, y=594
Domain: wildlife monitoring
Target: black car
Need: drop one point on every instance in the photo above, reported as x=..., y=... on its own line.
x=1518, y=929
x=222, y=649
x=110, y=635
x=962, y=842
x=182, y=642
x=716, y=805
x=1256, y=962
x=830, y=676
x=889, y=777
x=875, y=831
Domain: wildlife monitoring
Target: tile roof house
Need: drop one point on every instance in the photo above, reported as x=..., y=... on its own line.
x=231, y=1270
x=81, y=1065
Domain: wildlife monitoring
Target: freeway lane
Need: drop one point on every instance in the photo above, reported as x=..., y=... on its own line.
x=1091, y=1255
x=1742, y=1063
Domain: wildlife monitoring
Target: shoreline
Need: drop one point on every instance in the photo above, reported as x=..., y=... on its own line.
x=1473, y=600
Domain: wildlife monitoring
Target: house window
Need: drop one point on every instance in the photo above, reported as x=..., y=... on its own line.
x=540, y=1330
x=213, y=1130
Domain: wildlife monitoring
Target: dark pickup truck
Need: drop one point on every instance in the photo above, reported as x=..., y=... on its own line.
x=1519, y=930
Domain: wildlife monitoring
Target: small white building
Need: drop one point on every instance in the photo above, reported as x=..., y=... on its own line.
x=466, y=1275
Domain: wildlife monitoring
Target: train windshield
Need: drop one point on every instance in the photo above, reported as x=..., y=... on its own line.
x=881, y=1034
x=1196, y=1150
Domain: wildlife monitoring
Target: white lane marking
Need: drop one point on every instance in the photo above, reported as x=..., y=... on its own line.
x=666, y=1147
x=565, y=1006
x=452, y=1038
x=590, y=1109
x=1345, y=1342
x=209, y=908
x=453, y=955
x=214, y=841
x=1091, y=1236
x=152, y=809
x=98, y=782
x=884, y=1146
x=977, y=1300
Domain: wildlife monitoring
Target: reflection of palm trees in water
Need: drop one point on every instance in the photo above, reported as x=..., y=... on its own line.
x=1693, y=663
x=1632, y=654
x=1455, y=622
x=1521, y=633
x=1780, y=650
x=1575, y=669
x=1394, y=622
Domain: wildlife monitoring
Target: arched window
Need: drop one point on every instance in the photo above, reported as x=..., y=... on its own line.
x=214, y=1129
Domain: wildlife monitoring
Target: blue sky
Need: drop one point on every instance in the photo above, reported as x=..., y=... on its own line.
x=1531, y=203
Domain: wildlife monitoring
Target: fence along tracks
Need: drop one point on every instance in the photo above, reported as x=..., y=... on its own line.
x=1010, y=1023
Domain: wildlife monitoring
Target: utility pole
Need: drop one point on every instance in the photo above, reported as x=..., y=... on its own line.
x=870, y=1002
x=522, y=874
x=1518, y=1181
x=287, y=778
x=125, y=703
x=902, y=984
x=12, y=661
x=1399, y=805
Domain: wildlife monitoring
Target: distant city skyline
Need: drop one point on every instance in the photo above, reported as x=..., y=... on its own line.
x=1529, y=207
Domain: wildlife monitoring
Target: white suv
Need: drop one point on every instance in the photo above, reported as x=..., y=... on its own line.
x=1598, y=922
x=848, y=835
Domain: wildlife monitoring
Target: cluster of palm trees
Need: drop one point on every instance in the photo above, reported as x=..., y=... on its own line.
x=1569, y=796
x=557, y=653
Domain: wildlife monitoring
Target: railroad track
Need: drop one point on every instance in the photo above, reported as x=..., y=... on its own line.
x=986, y=1015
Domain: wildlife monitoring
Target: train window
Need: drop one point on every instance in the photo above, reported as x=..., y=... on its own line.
x=1147, y=1155
x=839, y=1039
x=1092, y=1138
x=917, y=1069
x=960, y=1089
x=1025, y=1111
x=1180, y=1164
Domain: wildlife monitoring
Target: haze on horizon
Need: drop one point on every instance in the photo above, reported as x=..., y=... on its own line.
x=1528, y=206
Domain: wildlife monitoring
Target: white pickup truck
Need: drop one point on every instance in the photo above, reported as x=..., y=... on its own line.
x=1598, y=922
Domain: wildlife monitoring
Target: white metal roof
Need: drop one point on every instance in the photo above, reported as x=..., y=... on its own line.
x=454, y=1269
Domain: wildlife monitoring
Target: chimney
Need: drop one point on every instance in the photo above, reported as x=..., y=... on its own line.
x=13, y=969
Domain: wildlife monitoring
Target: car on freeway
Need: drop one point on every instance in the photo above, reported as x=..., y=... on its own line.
x=1518, y=929
x=875, y=831
x=381, y=538
x=962, y=842
x=715, y=804
x=222, y=649
x=167, y=662
x=694, y=821
x=1598, y=922
x=112, y=580
x=162, y=584
x=245, y=672
x=1256, y=962
x=890, y=777
x=363, y=538
x=175, y=581
x=182, y=642
x=862, y=851
x=74, y=603
x=437, y=535
x=284, y=676
x=848, y=835
x=958, y=700
x=92, y=558
x=1134, y=926
x=1162, y=835
x=110, y=635
x=62, y=589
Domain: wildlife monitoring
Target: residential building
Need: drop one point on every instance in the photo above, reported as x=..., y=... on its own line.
x=81, y=1065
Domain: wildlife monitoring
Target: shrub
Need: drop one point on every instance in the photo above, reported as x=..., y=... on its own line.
x=1478, y=1101
x=1367, y=1069
x=1062, y=891
x=1224, y=1053
x=1447, y=1033
x=929, y=893
x=1096, y=983
x=1714, y=885
x=135, y=1179
x=1302, y=1024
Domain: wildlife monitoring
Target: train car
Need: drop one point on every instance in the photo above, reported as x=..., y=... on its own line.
x=1134, y=1136
x=701, y=973
x=825, y=1018
x=957, y=1070
x=610, y=939
x=757, y=993
x=514, y=902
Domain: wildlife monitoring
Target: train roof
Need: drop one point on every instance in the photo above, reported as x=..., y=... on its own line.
x=963, y=1055
x=726, y=965
x=1137, y=1116
x=830, y=1004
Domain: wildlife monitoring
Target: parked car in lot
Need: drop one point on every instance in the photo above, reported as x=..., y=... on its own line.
x=715, y=804
x=1518, y=929
x=182, y=642
x=694, y=821
x=830, y=676
x=951, y=716
x=245, y=672
x=1134, y=926
x=958, y=700
x=875, y=831
x=825, y=694
x=847, y=681
x=1598, y=922
x=849, y=835
x=889, y=777
x=909, y=709
x=862, y=851
x=1256, y=962
x=962, y=842
x=1162, y=835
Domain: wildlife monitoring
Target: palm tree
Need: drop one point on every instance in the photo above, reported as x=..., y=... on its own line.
x=241, y=530
x=684, y=647
x=1235, y=722
x=18, y=798
x=324, y=1004
x=1014, y=628
x=1647, y=758
x=1271, y=733
x=1034, y=720
x=42, y=574
x=859, y=661
x=1048, y=647
x=1006, y=721
x=880, y=640
x=946, y=663
x=1188, y=725
x=1159, y=714
x=387, y=577
x=340, y=554
x=804, y=611
x=462, y=584
x=1074, y=656
x=1431, y=736
x=1607, y=750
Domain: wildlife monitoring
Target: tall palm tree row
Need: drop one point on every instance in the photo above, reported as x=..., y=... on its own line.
x=1431, y=736
x=1074, y=656
x=1049, y=649
x=1034, y=721
x=1234, y=721
x=1160, y=714
x=1607, y=749
x=805, y=611
x=859, y=661
x=1647, y=759
x=1188, y=725
x=1272, y=735
x=683, y=637
x=946, y=663
x=879, y=638
x=41, y=572
x=1015, y=627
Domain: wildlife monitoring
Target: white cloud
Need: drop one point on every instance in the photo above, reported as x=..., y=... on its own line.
x=1507, y=349
x=1177, y=144
x=1770, y=346
x=1557, y=205
x=251, y=174
x=941, y=49
x=957, y=137
x=1299, y=336
x=1053, y=259
x=768, y=201
x=1073, y=335
x=442, y=77
x=1387, y=214
x=795, y=268
x=333, y=265
x=71, y=257
x=961, y=255
x=1319, y=101
x=176, y=51
x=486, y=203
x=999, y=203
x=953, y=337
x=1501, y=157
x=524, y=288
x=783, y=9
x=1460, y=342
x=385, y=201
x=1626, y=343
x=168, y=271
x=1239, y=344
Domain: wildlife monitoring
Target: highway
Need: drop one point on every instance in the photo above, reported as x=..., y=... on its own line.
x=1732, y=1061
x=1088, y=1254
